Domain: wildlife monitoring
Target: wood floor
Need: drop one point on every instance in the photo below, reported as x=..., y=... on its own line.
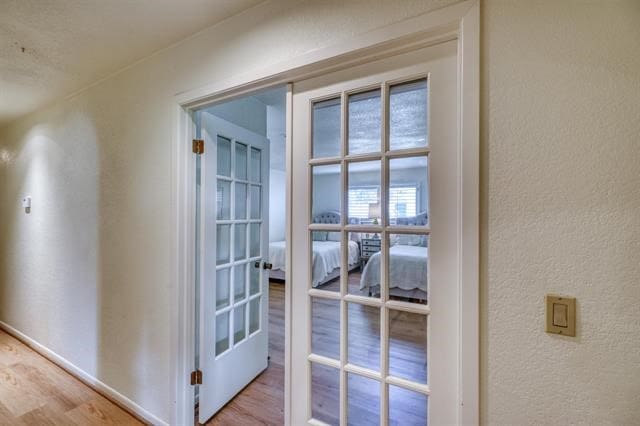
x=262, y=401
x=34, y=391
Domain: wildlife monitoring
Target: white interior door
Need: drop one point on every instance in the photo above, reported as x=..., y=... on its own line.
x=234, y=285
x=386, y=130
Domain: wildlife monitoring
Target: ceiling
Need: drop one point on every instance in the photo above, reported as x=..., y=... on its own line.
x=50, y=49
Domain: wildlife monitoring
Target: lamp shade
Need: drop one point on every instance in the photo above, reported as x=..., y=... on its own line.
x=374, y=210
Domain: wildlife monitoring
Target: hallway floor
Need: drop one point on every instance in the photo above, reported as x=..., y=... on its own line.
x=34, y=391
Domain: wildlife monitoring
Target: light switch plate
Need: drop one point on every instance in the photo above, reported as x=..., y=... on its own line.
x=561, y=315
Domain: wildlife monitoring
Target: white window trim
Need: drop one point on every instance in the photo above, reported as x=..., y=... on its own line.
x=460, y=21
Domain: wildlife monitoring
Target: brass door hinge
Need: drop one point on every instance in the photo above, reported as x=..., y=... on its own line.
x=196, y=377
x=198, y=146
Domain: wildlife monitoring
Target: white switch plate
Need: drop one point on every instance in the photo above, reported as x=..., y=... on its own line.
x=26, y=202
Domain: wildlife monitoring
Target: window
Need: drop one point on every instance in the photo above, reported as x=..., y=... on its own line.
x=359, y=200
x=403, y=201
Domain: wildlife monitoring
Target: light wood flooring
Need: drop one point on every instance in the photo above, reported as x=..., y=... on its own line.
x=34, y=391
x=262, y=401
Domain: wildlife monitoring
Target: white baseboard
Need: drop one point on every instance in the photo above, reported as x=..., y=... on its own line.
x=84, y=377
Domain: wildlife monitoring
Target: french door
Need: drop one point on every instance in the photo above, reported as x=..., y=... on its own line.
x=378, y=145
x=234, y=241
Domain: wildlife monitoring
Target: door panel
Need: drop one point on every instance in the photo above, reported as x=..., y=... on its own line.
x=234, y=286
x=378, y=145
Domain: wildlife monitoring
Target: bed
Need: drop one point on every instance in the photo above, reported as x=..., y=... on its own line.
x=326, y=254
x=408, y=263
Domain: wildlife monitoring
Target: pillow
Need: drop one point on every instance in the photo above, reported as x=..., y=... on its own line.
x=333, y=236
x=410, y=240
x=319, y=236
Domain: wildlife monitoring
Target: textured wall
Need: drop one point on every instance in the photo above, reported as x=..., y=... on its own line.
x=560, y=210
x=87, y=273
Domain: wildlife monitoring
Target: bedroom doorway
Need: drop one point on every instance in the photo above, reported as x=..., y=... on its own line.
x=331, y=387
x=240, y=212
x=375, y=242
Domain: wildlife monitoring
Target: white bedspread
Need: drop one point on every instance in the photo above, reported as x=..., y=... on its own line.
x=407, y=268
x=326, y=257
x=277, y=255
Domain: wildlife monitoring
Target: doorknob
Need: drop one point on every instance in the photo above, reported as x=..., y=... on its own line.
x=265, y=265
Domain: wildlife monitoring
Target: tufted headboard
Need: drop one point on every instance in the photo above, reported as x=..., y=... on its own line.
x=327, y=217
x=421, y=219
x=333, y=217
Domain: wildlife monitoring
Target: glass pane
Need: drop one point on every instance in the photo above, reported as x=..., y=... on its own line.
x=254, y=240
x=223, y=240
x=240, y=242
x=256, y=200
x=326, y=193
x=256, y=165
x=325, y=327
x=408, y=346
x=222, y=332
x=363, y=399
x=408, y=267
x=408, y=191
x=363, y=336
x=365, y=279
x=224, y=156
x=364, y=192
x=223, y=280
x=239, y=282
x=254, y=315
x=223, y=200
x=408, y=115
x=364, y=122
x=326, y=128
x=407, y=408
x=239, y=331
x=241, y=161
x=326, y=260
x=325, y=394
x=241, y=200
x=254, y=279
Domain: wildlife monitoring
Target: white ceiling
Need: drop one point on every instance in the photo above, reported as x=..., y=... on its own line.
x=50, y=49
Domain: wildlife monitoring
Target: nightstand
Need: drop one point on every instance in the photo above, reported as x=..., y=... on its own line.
x=368, y=247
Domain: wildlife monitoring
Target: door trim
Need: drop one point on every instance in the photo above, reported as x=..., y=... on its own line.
x=460, y=21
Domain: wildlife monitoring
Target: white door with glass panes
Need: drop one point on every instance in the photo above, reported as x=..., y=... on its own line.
x=377, y=145
x=234, y=228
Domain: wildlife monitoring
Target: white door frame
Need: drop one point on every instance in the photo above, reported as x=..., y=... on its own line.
x=460, y=21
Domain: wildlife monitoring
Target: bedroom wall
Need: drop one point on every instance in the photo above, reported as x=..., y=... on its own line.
x=276, y=126
x=246, y=112
x=277, y=204
x=87, y=273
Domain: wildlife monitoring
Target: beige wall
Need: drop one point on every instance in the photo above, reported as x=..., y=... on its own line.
x=87, y=272
x=560, y=210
